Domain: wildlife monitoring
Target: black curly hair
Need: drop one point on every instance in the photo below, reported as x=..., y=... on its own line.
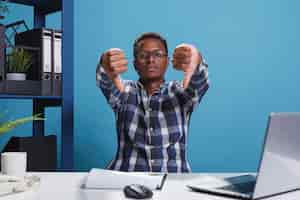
x=146, y=35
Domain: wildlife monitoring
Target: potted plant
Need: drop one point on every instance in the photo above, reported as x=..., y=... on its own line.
x=9, y=125
x=18, y=61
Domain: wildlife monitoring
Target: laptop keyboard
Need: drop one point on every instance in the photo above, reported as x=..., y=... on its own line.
x=245, y=187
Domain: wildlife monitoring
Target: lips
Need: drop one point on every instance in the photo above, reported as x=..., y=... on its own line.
x=152, y=68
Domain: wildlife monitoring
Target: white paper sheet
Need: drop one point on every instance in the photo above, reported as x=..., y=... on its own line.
x=108, y=179
x=10, y=185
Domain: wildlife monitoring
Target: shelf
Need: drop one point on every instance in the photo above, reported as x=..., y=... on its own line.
x=62, y=93
x=10, y=96
x=44, y=6
x=28, y=89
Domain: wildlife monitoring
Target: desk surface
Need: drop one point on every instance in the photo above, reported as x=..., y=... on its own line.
x=67, y=186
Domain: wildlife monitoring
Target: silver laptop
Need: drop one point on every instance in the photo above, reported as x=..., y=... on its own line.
x=279, y=166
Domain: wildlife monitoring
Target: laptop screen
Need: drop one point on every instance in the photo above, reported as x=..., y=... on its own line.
x=279, y=170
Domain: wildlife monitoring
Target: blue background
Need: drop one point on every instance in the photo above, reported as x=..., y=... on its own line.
x=252, y=51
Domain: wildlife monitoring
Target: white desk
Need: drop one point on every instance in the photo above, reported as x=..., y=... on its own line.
x=66, y=186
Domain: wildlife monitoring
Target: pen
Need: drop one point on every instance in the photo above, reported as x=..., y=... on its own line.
x=4, y=179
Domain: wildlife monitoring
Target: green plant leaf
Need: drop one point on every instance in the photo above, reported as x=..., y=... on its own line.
x=8, y=126
x=19, y=60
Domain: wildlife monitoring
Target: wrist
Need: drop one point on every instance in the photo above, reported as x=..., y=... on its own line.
x=188, y=73
x=115, y=78
x=103, y=69
x=118, y=83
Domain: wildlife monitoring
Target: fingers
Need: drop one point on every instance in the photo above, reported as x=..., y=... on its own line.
x=114, y=72
x=114, y=62
x=116, y=57
x=185, y=57
x=118, y=63
x=184, y=50
x=118, y=70
x=180, y=66
x=114, y=51
x=182, y=58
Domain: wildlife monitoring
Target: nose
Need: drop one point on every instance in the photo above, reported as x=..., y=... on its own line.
x=150, y=58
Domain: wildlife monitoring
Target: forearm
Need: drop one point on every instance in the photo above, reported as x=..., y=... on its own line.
x=112, y=94
x=198, y=79
x=118, y=84
x=186, y=79
x=194, y=75
x=112, y=82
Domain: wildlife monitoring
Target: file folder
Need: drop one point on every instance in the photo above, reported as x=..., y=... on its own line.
x=2, y=52
x=43, y=39
x=46, y=68
x=57, y=61
x=49, y=66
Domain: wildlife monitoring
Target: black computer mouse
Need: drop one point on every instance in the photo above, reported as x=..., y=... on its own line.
x=137, y=191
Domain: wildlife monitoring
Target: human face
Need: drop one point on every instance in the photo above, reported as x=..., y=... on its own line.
x=151, y=60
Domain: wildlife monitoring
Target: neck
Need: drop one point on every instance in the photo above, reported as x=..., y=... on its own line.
x=151, y=85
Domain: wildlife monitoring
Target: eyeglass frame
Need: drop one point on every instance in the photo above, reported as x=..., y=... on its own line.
x=156, y=54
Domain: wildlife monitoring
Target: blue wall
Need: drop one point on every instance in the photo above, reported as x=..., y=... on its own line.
x=251, y=48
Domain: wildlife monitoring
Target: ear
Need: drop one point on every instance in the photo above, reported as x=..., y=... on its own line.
x=135, y=65
x=167, y=61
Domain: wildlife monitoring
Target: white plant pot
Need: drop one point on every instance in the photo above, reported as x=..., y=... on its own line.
x=15, y=76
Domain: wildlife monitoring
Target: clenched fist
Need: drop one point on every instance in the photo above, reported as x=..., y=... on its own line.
x=186, y=58
x=114, y=62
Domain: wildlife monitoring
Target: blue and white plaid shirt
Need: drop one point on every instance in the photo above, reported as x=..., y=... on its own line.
x=152, y=130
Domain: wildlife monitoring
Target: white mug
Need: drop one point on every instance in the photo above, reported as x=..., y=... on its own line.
x=14, y=163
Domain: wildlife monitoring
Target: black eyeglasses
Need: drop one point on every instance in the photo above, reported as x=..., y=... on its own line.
x=143, y=55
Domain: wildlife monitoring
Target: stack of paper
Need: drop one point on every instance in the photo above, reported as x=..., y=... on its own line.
x=11, y=185
x=108, y=179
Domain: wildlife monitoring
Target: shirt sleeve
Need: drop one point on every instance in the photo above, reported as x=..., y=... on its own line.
x=110, y=91
x=197, y=87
